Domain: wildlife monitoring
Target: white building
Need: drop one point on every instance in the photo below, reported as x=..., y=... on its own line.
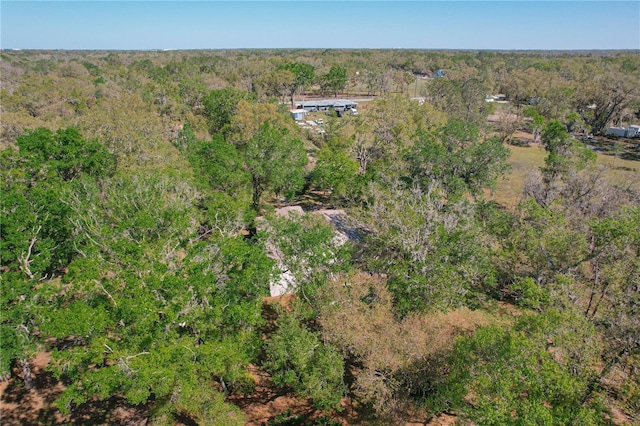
x=298, y=114
x=624, y=132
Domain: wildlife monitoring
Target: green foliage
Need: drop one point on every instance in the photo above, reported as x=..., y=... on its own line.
x=275, y=83
x=433, y=251
x=202, y=404
x=275, y=161
x=220, y=164
x=548, y=240
x=219, y=170
x=530, y=294
x=38, y=239
x=557, y=142
x=155, y=312
x=140, y=297
x=140, y=318
x=65, y=154
x=37, y=235
x=91, y=67
x=336, y=172
x=220, y=106
x=457, y=159
x=225, y=214
x=19, y=305
x=564, y=153
x=502, y=376
x=386, y=131
x=304, y=76
x=461, y=99
x=127, y=213
x=630, y=389
x=186, y=138
x=297, y=358
x=335, y=80
x=287, y=419
x=537, y=122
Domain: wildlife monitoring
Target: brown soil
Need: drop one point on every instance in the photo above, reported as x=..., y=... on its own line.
x=618, y=417
x=284, y=301
x=498, y=116
x=267, y=401
x=19, y=406
x=444, y=420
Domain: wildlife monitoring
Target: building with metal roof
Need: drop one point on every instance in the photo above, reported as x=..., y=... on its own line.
x=326, y=104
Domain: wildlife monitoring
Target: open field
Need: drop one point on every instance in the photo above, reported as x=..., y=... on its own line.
x=525, y=159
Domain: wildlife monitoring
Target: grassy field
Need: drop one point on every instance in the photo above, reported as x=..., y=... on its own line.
x=525, y=160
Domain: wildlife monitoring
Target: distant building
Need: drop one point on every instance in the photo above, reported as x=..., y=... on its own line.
x=617, y=131
x=438, y=73
x=624, y=132
x=340, y=105
x=496, y=98
x=298, y=114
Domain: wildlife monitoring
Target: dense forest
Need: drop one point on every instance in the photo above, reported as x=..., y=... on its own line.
x=141, y=235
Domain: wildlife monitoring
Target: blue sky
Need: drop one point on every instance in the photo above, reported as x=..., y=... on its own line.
x=320, y=24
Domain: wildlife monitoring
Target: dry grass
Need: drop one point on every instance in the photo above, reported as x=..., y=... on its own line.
x=523, y=160
x=526, y=159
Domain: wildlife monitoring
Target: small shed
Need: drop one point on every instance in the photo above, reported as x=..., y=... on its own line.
x=298, y=114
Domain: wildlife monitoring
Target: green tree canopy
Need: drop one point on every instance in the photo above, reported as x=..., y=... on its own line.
x=275, y=161
x=152, y=310
x=335, y=80
x=220, y=164
x=304, y=76
x=296, y=358
x=220, y=106
x=503, y=377
x=458, y=158
x=38, y=239
x=65, y=153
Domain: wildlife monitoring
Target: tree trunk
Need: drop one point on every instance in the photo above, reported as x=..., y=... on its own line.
x=257, y=192
x=26, y=374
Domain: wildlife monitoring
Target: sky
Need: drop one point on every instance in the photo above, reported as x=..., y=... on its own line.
x=140, y=25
